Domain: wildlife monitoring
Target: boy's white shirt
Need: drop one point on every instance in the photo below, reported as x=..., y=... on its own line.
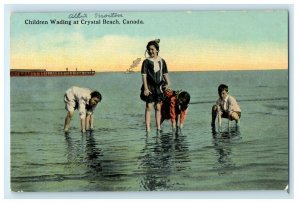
x=83, y=95
x=225, y=103
x=225, y=106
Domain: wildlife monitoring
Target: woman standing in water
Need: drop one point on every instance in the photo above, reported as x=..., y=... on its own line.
x=155, y=80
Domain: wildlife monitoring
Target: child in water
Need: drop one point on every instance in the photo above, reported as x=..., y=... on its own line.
x=85, y=100
x=225, y=107
x=175, y=107
x=154, y=76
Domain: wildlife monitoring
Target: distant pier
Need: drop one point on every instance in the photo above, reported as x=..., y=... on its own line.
x=45, y=73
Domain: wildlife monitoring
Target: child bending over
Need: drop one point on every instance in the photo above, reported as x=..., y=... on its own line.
x=175, y=107
x=85, y=100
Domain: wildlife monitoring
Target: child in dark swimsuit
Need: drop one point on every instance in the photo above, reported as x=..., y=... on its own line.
x=155, y=77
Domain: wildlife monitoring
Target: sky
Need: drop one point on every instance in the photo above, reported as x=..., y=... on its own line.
x=189, y=40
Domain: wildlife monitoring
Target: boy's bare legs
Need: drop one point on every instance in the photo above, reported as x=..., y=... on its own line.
x=83, y=124
x=68, y=120
x=214, y=111
x=88, y=122
x=149, y=107
x=235, y=116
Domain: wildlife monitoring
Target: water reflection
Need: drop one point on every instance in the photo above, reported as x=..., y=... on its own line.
x=162, y=157
x=84, y=152
x=74, y=150
x=224, y=143
x=94, y=156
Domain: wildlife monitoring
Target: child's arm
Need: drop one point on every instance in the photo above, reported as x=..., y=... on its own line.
x=219, y=113
x=82, y=114
x=146, y=89
x=165, y=74
x=220, y=119
x=90, y=121
x=182, y=118
x=173, y=115
x=88, y=118
x=166, y=77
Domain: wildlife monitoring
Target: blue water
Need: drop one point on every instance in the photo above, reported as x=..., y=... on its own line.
x=118, y=156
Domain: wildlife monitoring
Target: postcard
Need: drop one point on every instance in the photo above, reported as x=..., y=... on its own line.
x=149, y=101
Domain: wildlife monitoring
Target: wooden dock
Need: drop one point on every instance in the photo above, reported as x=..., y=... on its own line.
x=45, y=73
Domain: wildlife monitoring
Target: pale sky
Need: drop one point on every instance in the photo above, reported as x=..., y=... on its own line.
x=190, y=41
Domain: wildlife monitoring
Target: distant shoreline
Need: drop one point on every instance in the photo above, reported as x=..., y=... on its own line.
x=186, y=71
x=91, y=72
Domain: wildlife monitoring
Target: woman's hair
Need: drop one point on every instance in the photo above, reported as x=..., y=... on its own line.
x=96, y=94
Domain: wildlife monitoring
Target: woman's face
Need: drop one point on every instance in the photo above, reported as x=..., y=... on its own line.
x=152, y=51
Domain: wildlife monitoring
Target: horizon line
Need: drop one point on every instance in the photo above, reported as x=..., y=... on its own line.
x=203, y=70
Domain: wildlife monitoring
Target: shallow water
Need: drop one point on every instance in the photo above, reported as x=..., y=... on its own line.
x=118, y=156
